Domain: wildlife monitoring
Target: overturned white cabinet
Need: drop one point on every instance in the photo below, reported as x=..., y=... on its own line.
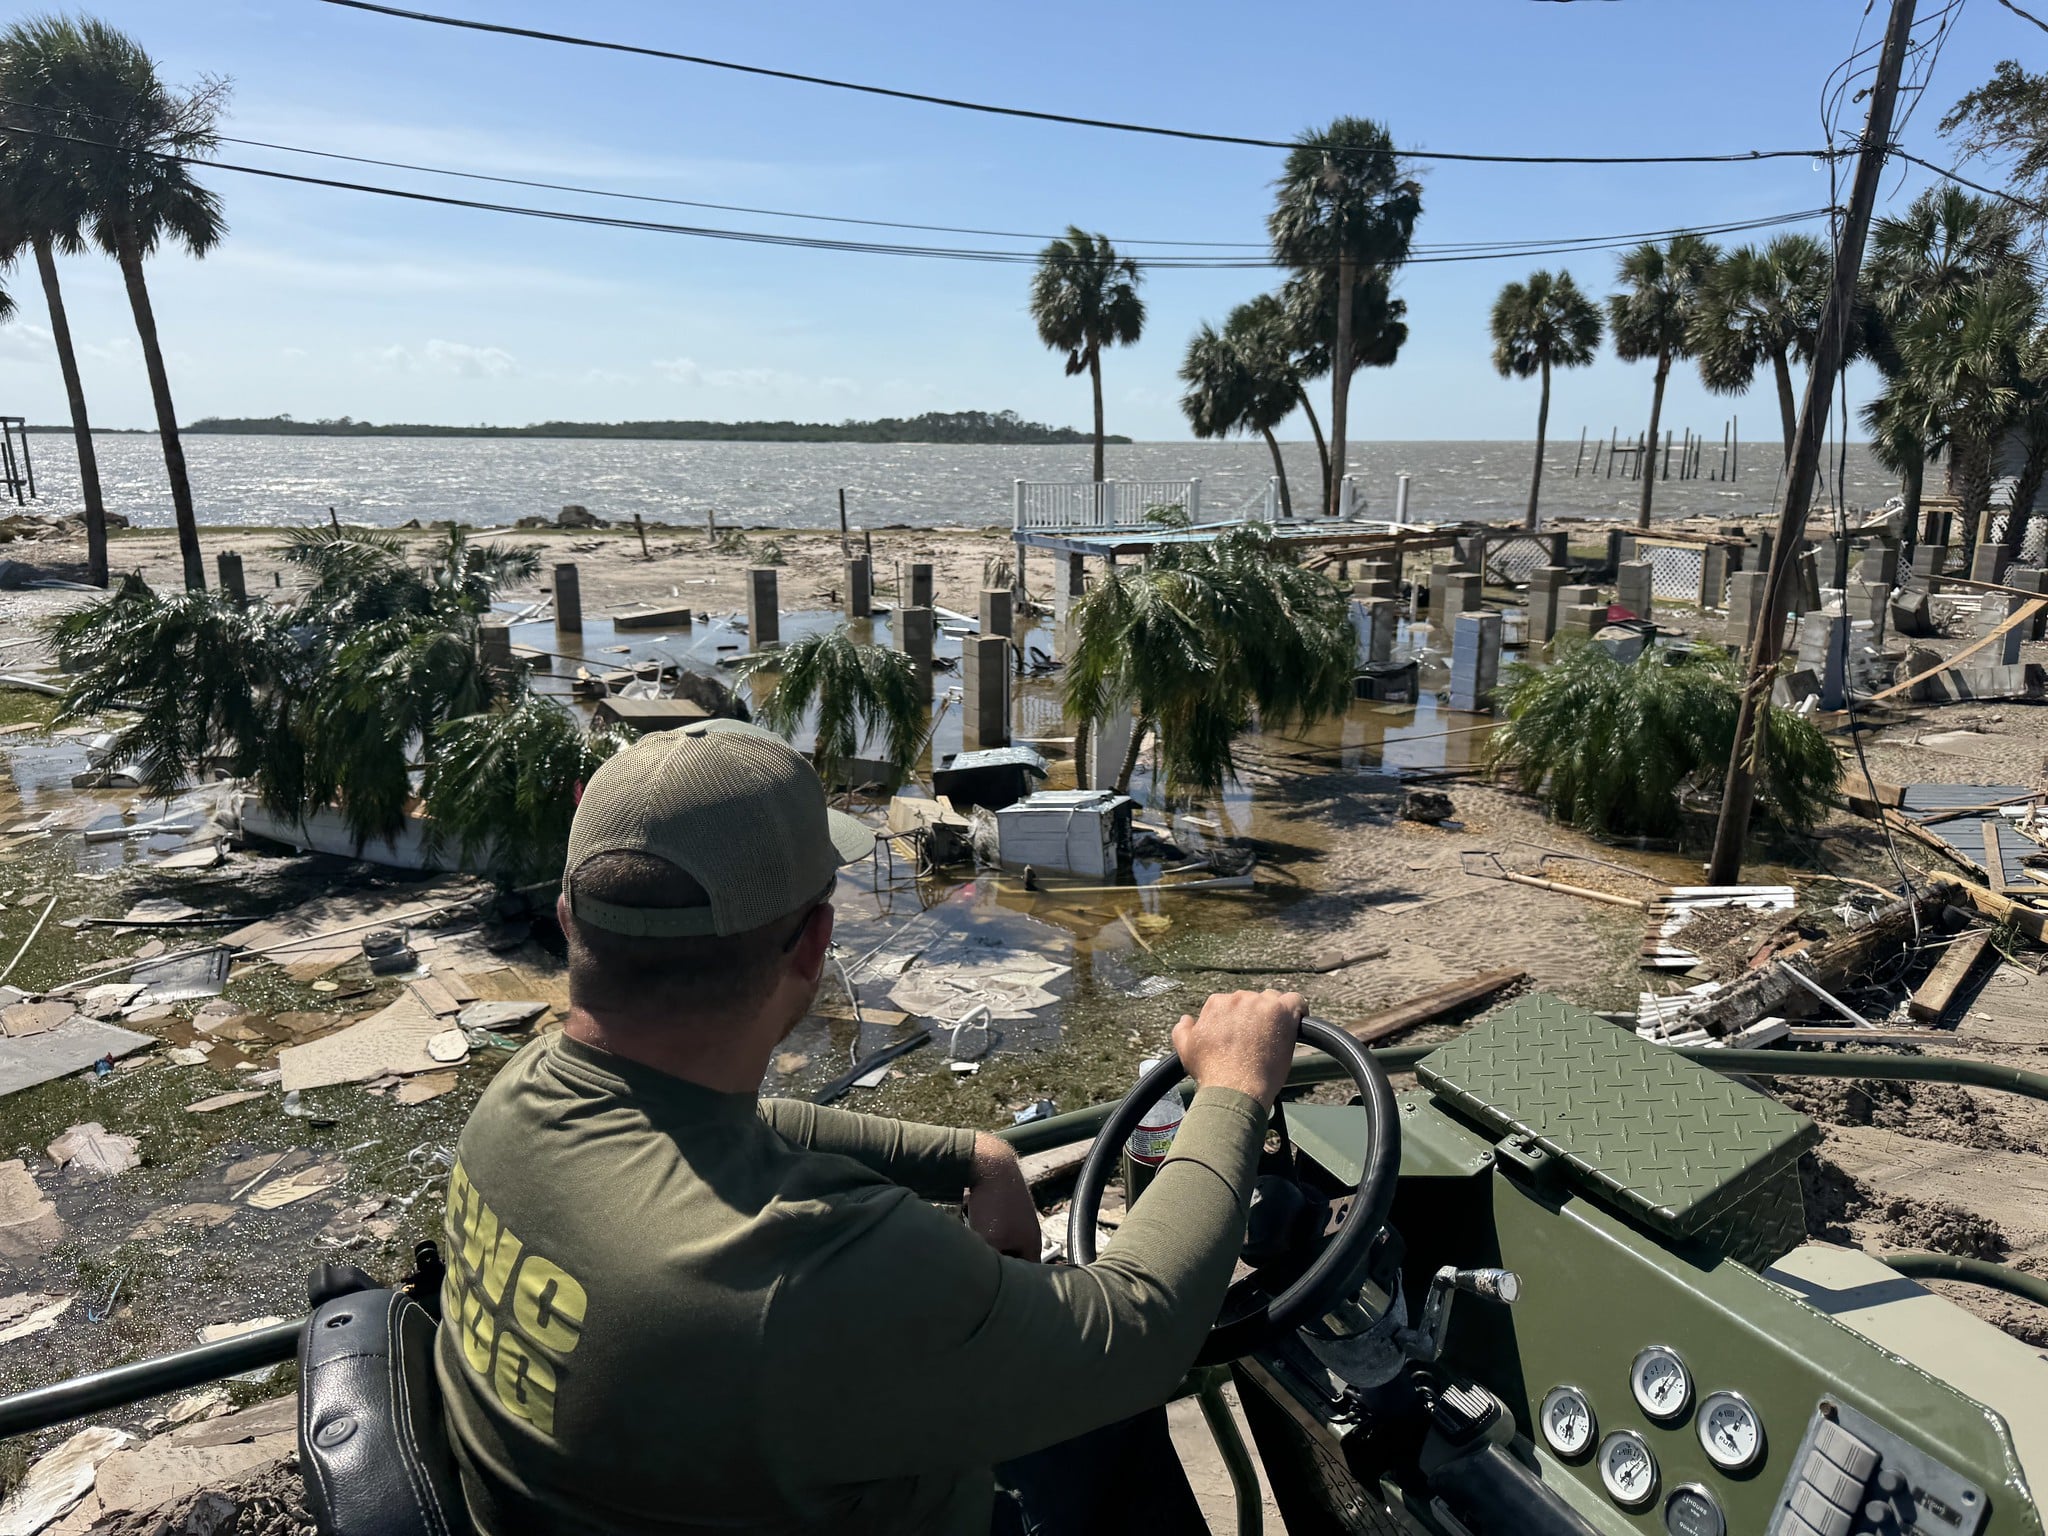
x=1067, y=831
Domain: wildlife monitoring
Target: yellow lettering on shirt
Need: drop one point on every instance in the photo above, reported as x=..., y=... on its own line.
x=548, y=1305
x=525, y=1383
x=517, y=1313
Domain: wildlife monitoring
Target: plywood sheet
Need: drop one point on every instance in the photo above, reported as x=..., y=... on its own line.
x=391, y=1042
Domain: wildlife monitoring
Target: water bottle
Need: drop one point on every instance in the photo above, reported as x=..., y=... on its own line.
x=1152, y=1140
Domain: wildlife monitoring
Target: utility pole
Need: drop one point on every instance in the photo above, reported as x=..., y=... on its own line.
x=1767, y=638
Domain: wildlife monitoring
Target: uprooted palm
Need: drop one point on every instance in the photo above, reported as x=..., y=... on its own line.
x=1609, y=746
x=861, y=700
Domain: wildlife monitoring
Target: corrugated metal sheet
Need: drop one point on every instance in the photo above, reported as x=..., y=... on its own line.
x=1966, y=833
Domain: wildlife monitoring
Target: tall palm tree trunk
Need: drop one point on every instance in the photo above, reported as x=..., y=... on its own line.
x=1788, y=411
x=1081, y=735
x=1656, y=415
x=1138, y=728
x=1279, y=471
x=1911, y=486
x=2025, y=490
x=1095, y=378
x=81, y=425
x=1340, y=388
x=1542, y=430
x=1322, y=448
x=130, y=260
x=1973, y=491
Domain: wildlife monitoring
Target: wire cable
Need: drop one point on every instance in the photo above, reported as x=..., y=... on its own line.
x=644, y=51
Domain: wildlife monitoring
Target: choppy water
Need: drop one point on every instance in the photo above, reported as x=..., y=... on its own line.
x=488, y=481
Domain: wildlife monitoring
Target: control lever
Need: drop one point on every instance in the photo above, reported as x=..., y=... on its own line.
x=1425, y=1343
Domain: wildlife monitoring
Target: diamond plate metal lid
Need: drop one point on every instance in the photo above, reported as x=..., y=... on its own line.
x=1667, y=1139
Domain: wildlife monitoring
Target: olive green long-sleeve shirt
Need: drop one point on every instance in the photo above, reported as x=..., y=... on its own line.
x=673, y=1310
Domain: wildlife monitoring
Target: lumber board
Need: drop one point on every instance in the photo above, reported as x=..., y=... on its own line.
x=1772, y=991
x=1934, y=995
x=1883, y=1035
x=2032, y=922
x=1426, y=1006
x=2025, y=613
x=1898, y=821
x=1994, y=858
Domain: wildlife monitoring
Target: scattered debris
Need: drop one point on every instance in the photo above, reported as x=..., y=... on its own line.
x=29, y=1313
x=29, y=1225
x=223, y=1100
x=1675, y=910
x=499, y=1015
x=290, y=1188
x=392, y=1041
x=1429, y=806
x=59, y=1480
x=94, y=1149
x=1037, y=1109
x=23, y=1019
x=428, y=1085
x=450, y=1045
x=183, y=978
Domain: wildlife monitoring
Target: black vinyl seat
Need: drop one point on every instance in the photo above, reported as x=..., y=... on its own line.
x=373, y=1447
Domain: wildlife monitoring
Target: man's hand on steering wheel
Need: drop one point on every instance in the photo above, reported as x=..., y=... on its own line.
x=1243, y=1040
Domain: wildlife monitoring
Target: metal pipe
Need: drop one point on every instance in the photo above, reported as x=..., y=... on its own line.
x=1824, y=995
x=1237, y=1461
x=121, y=1385
x=1946, y=1266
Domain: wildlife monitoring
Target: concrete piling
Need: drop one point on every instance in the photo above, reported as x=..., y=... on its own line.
x=494, y=646
x=569, y=600
x=1989, y=562
x=764, y=611
x=1713, y=576
x=2030, y=578
x=1475, y=661
x=231, y=582
x=920, y=595
x=1545, y=582
x=860, y=588
x=1745, y=597
x=914, y=639
x=985, y=680
x=1632, y=584
x=1879, y=566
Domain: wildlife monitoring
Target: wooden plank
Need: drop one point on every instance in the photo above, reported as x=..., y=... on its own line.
x=1425, y=1006
x=2024, y=614
x=1994, y=857
x=2031, y=921
x=1900, y=822
x=1939, y=990
x=1884, y=1035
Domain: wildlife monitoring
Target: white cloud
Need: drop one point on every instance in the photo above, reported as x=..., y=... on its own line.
x=688, y=371
x=375, y=274
x=456, y=358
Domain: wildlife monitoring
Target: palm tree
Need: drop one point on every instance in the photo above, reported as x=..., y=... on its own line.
x=1539, y=325
x=1084, y=297
x=1243, y=379
x=504, y=785
x=1343, y=208
x=1609, y=745
x=1652, y=320
x=1947, y=241
x=2032, y=430
x=1967, y=354
x=40, y=208
x=125, y=159
x=319, y=703
x=1201, y=640
x=1905, y=432
x=861, y=693
x=1762, y=306
x=1379, y=328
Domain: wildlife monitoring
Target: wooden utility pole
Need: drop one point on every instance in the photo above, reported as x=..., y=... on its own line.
x=1767, y=637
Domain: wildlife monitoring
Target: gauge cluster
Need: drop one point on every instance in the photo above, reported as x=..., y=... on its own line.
x=1661, y=1388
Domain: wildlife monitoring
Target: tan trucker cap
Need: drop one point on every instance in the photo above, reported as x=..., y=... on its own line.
x=734, y=807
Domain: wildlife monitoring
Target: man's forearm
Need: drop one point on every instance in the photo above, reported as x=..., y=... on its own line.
x=935, y=1162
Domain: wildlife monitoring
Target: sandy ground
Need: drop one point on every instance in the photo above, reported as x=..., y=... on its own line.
x=1901, y=1168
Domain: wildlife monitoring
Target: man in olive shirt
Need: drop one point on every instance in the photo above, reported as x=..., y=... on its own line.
x=673, y=1307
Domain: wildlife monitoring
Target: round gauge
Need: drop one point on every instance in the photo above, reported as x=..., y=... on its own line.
x=1693, y=1511
x=1568, y=1422
x=1730, y=1432
x=1628, y=1469
x=1661, y=1383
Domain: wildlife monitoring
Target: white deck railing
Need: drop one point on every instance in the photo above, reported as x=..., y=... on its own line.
x=1083, y=504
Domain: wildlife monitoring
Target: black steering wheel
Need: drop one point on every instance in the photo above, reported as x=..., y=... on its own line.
x=1253, y=1317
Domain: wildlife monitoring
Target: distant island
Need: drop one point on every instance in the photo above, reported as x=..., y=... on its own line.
x=932, y=427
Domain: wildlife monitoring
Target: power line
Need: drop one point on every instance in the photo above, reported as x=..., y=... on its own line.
x=641, y=50
x=1475, y=251
x=2039, y=210
x=1137, y=247
x=2037, y=21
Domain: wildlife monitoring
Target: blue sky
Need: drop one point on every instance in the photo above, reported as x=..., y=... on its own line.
x=325, y=303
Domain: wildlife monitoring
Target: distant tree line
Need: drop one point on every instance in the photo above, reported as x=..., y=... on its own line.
x=931, y=427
